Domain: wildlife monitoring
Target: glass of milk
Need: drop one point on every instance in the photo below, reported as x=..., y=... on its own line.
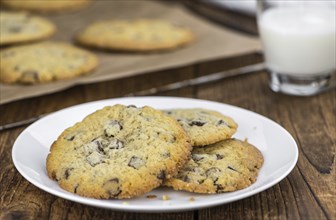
x=299, y=44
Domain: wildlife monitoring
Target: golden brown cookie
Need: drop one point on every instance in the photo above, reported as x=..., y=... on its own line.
x=221, y=167
x=19, y=27
x=44, y=62
x=135, y=35
x=118, y=152
x=204, y=126
x=45, y=5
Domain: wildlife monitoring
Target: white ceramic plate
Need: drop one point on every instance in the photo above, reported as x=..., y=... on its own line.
x=276, y=144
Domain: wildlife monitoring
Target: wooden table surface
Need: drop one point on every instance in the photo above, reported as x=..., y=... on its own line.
x=308, y=192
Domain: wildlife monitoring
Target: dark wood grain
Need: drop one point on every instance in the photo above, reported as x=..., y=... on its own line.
x=311, y=121
x=307, y=193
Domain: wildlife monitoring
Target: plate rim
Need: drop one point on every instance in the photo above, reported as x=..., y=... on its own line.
x=144, y=208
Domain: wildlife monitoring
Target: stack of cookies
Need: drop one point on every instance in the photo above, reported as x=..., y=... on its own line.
x=124, y=151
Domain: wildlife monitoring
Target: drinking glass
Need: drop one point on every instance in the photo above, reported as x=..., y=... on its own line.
x=299, y=44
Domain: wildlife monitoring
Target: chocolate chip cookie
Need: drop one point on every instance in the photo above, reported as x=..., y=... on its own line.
x=135, y=35
x=118, y=152
x=44, y=62
x=45, y=5
x=19, y=27
x=225, y=166
x=204, y=126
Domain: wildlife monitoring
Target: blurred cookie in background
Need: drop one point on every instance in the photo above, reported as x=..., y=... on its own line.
x=135, y=35
x=45, y=5
x=44, y=62
x=20, y=27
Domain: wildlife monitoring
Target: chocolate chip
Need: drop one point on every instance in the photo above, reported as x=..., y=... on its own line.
x=112, y=128
x=212, y=170
x=222, y=122
x=70, y=137
x=230, y=168
x=197, y=123
x=29, y=76
x=75, y=189
x=114, y=180
x=96, y=145
x=116, y=144
x=219, y=156
x=102, y=142
x=220, y=188
x=168, y=112
x=94, y=158
x=136, y=162
x=195, y=169
x=67, y=173
x=213, y=173
x=186, y=179
x=112, y=187
x=200, y=181
x=131, y=106
x=161, y=175
x=197, y=157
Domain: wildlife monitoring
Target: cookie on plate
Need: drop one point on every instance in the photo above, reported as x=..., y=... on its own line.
x=20, y=27
x=225, y=166
x=45, y=5
x=118, y=152
x=44, y=62
x=135, y=35
x=204, y=126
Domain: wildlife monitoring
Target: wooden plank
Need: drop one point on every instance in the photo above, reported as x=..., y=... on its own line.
x=307, y=193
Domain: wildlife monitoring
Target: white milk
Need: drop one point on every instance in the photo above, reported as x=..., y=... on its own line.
x=299, y=41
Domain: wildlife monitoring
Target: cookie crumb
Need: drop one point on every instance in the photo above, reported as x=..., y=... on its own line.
x=246, y=140
x=191, y=199
x=151, y=196
x=125, y=203
x=165, y=197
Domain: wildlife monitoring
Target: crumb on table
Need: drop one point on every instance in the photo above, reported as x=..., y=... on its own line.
x=165, y=197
